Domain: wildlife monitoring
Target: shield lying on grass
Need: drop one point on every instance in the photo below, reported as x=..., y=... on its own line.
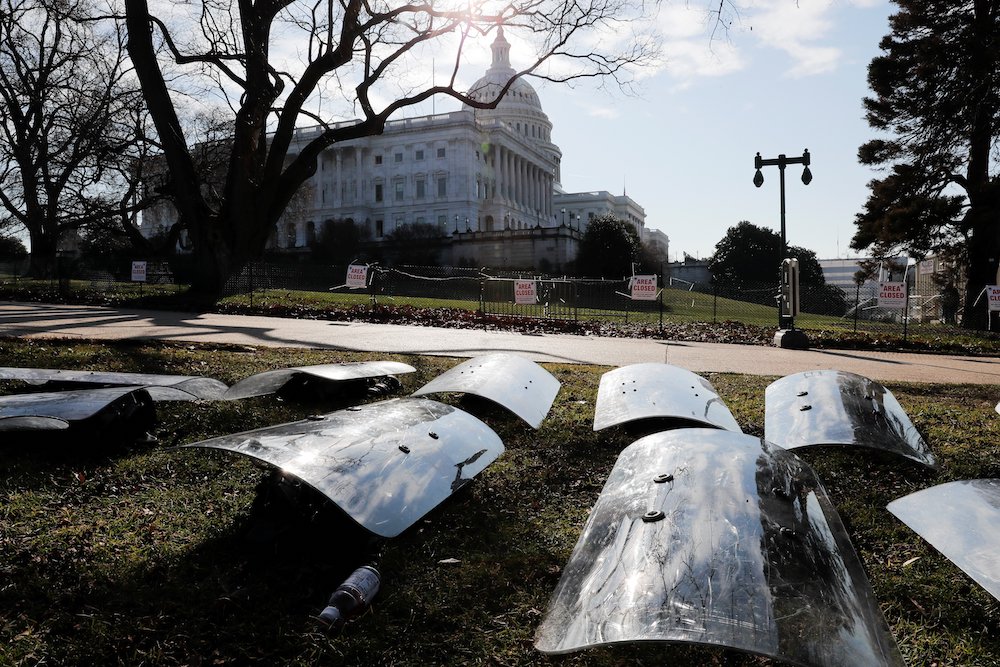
x=84, y=408
x=962, y=521
x=713, y=537
x=384, y=464
x=269, y=382
x=659, y=391
x=518, y=384
x=838, y=408
x=160, y=387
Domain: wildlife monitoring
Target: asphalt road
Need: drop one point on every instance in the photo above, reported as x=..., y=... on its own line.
x=90, y=322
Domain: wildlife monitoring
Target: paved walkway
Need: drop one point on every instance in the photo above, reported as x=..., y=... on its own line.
x=58, y=321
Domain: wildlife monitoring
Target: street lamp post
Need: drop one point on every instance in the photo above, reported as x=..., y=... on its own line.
x=786, y=322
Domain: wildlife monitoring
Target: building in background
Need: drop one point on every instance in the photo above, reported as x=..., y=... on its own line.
x=486, y=182
x=658, y=245
x=689, y=273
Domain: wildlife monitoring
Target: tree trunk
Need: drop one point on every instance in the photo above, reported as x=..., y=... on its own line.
x=43, y=259
x=213, y=261
x=984, y=260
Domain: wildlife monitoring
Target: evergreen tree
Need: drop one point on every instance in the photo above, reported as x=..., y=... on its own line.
x=749, y=254
x=936, y=98
x=607, y=249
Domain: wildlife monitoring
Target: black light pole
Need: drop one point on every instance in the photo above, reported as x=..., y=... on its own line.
x=758, y=179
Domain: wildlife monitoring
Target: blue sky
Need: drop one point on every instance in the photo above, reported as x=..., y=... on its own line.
x=685, y=148
x=786, y=76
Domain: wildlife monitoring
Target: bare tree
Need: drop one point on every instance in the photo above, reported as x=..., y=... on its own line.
x=70, y=123
x=360, y=49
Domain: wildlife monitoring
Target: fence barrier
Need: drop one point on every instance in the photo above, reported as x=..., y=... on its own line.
x=490, y=291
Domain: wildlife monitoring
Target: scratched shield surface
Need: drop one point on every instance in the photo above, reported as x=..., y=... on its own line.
x=659, y=391
x=518, y=384
x=160, y=387
x=717, y=538
x=384, y=464
x=961, y=520
x=269, y=382
x=844, y=409
x=56, y=410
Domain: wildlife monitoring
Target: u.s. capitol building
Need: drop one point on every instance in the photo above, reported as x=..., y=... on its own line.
x=487, y=179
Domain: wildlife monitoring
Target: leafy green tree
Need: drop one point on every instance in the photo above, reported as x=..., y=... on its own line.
x=750, y=254
x=337, y=242
x=936, y=96
x=12, y=247
x=416, y=243
x=608, y=248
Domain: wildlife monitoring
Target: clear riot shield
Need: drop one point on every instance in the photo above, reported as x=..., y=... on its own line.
x=518, y=384
x=659, y=391
x=717, y=538
x=838, y=408
x=384, y=464
x=961, y=520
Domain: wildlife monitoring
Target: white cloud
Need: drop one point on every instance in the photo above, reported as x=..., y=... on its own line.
x=689, y=50
x=698, y=43
x=797, y=28
x=607, y=113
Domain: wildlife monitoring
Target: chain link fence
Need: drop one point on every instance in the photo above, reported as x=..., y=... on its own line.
x=822, y=308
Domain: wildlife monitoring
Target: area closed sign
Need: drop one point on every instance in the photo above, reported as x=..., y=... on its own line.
x=644, y=288
x=525, y=291
x=138, y=271
x=357, y=276
x=892, y=295
x=993, y=296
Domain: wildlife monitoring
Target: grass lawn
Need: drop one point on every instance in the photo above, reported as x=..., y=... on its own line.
x=145, y=554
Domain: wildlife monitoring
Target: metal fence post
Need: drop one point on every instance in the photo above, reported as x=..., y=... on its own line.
x=857, y=305
x=661, y=307
x=482, y=302
x=906, y=310
x=715, y=301
x=576, y=301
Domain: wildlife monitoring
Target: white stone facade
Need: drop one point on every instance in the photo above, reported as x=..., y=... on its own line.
x=488, y=179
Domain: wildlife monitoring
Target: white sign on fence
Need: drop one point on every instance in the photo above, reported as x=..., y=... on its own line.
x=644, y=288
x=138, y=272
x=993, y=296
x=357, y=276
x=525, y=291
x=892, y=295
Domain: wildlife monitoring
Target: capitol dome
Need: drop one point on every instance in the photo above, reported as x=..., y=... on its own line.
x=520, y=108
